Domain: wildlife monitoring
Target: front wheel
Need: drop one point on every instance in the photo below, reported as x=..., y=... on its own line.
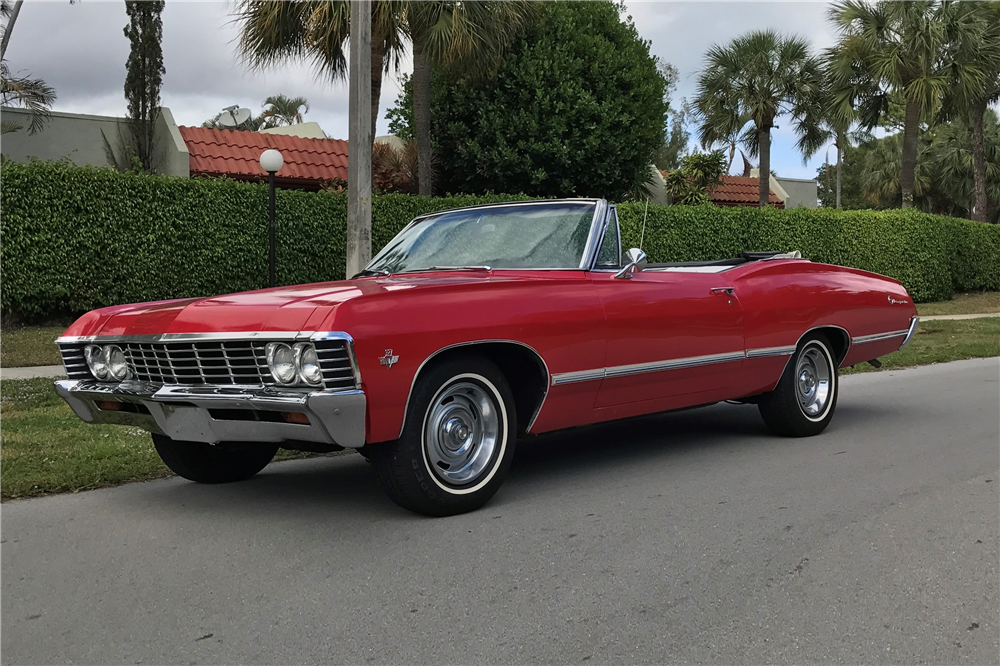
x=457, y=441
x=213, y=463
x=803, y=402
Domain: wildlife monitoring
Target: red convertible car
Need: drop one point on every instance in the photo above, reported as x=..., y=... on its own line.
x=471, y=329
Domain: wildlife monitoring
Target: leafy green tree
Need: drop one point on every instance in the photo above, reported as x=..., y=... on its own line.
x=576, y=108
x=278, y=31
x=281, y=110
x=843, y=178
x=693, y=183
x=749, y=83
x=973, y=70
x=144, y=75
x=894, y=52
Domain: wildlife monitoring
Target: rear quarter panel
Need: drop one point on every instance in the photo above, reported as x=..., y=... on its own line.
x=784, y=299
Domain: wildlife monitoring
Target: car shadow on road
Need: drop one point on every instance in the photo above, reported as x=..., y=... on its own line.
x=346, y=485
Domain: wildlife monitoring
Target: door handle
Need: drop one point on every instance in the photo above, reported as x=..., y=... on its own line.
x=723, y=290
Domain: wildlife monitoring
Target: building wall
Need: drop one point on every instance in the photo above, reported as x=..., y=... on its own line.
x=801, y=193
x=77, y=137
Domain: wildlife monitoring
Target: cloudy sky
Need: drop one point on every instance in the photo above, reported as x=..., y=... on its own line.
x=80, y=50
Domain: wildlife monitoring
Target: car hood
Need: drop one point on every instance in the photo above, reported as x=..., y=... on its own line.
x=295, y=308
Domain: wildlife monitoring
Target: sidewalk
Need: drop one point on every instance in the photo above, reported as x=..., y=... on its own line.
x=965, y=316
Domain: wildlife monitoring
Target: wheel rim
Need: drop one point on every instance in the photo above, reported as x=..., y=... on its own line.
x=813, y=381
x=461, y=433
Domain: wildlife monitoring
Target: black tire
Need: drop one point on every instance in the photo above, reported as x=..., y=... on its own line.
x=782, y=409
x=403, y=467
x=208, y=463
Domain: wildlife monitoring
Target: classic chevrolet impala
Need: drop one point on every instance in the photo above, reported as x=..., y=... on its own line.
x=471, y=329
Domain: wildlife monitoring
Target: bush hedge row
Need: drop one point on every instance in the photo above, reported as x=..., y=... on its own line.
x=73, y=239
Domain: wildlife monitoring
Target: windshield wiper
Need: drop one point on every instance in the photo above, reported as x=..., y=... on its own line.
x=447, y=268
x=368, y=272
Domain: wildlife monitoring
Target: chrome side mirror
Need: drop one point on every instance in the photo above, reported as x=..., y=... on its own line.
x=635, y=261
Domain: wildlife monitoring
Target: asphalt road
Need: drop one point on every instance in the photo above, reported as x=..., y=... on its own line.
x=693, y=537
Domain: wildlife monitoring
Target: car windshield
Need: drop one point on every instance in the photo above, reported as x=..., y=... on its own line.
x=545, y=235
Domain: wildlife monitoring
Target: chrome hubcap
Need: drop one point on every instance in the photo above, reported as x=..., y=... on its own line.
x=461, y=432
x=813, y=381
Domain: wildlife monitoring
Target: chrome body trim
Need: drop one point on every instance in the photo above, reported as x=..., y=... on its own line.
x=643, y=368
x=767, y=352
x=545, y=367
x=876, y=337
x=597, y=227
x=182, y=412
x=914, y=322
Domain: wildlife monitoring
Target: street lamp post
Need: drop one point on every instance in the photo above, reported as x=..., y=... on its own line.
x=271, y=161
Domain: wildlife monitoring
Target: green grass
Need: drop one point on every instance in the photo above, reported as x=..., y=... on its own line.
x=973, y=303
x=942, y=341
x=34, y=345
x=46, y=448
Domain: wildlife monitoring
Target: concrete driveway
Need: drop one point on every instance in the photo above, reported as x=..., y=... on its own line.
x=693, y=537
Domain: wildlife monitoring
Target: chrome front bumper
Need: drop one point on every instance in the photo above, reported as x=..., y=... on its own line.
x=222, y=413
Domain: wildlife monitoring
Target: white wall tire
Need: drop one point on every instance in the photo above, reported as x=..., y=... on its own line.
x=803, y=402
x=457, y=442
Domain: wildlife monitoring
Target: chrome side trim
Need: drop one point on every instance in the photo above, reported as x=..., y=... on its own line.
x=545, y=367
x=875, y=337
x=914, y=322
x=643, y=368
x=767, y=352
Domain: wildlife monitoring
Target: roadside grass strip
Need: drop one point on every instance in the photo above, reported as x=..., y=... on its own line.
x=980, y=302
x=33, y=345
x=943, y=341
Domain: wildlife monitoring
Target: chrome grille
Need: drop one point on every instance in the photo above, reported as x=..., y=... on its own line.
x=73, y=361
x=216, y=362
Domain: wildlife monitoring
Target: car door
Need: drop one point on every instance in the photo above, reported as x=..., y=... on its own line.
x=671, y=332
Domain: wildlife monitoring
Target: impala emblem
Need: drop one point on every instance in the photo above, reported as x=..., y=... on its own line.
x=893, y=301
x=389, y=359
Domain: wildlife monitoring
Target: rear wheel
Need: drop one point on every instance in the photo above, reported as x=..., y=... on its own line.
x=213, y=463
x=803, y=402
x=457, y=442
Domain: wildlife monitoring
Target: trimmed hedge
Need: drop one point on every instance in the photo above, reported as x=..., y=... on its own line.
x=73, y=239
x=932, y=255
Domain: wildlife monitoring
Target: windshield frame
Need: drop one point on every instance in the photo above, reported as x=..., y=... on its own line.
x=590, y=249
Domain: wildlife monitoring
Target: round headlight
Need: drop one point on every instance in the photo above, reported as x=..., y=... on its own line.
x=115, y=358
x=96, y=361
x=308, y=364
x=281, y=362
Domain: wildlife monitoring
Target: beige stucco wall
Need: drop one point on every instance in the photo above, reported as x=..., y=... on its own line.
x=77, y=137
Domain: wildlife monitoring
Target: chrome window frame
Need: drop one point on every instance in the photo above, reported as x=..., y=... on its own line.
x=589, y=248
x=612, y=210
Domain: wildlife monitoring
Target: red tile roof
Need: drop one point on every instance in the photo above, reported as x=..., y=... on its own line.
x=236, y=154
x=740, y=191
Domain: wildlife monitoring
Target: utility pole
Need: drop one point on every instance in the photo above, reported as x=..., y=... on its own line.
x=359, y=150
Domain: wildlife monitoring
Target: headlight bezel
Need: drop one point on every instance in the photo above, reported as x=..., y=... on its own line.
x=306, y=355
x=273, y=350
x=109, y=352
x=97, y=362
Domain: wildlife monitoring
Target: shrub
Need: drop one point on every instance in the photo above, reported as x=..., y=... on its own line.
x=74, y=239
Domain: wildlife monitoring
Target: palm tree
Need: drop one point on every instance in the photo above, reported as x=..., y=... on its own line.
x=278, y=31
x=468, y=35
x=760, y=76
x=281, y=110
x=32, y=94
x=973, y=70
x=888, y=52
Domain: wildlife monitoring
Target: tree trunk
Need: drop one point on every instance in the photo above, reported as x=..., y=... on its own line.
x=422, y=116
x=980, y=202
x=10, y=27
x=378, y=65
x=764, y=146
x=839, y=161
x=911, y=127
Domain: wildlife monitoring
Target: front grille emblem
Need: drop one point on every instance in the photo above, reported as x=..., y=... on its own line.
x=388, y=360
